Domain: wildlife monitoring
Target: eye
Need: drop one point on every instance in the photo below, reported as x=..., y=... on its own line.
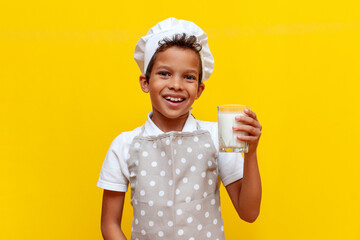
x=190, y=77
x=163, y=73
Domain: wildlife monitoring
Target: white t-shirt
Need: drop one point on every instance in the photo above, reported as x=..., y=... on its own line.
x=115, y=174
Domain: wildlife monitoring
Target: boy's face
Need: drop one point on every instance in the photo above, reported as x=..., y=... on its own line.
x=173, y=84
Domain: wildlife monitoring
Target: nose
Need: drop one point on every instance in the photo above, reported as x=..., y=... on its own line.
x=176, y=83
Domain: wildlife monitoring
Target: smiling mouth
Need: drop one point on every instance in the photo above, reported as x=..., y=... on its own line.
x=173, y=99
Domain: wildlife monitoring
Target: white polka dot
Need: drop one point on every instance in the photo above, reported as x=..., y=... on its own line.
x=210, y=182
x=207, y=214
x=163, y=154
x=167, y=142
x=193, y=168
x=161, y=193
x=196, y=139
x=175, y=152
x=137, y=145
x=170, y=223
x=222, y=228
x=215, y=221
x=169, y=162
x=151, y=223
x=151, y=203
x=142, y=213
x=143, y=173
x=198, y=207
x=179, y=142
x=127, y=156
x=135, y=202
x=212, y=201
x=203, y=174
x=152, y=183
x=188, y=199
x=199, y=227
x=161, y=234
x=145, y=154
x=189, y=219
x=180, y=232
x=170, y=182
x=191, y=238
x=208, y=234
x=170, y=203
x=154, y=145
x=160, y=213
x=205, y=194
x=179, y=212
x=143, y=232
x=177, y=191
x=137, y=163
x=142, y=193
x=177, y=171
x=189, y=149
x=219, y=209
x=200, y=156
x=185, y=180
x=136, y=221
x=196, y=186
x=207, y=145
x=209, y=163
x=154, y=164
x=162, y=173
x=183, y=160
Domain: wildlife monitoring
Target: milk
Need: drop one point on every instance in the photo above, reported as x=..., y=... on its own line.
x=227, y=136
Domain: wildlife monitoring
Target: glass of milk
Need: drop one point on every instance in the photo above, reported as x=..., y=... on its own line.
x=227, y=136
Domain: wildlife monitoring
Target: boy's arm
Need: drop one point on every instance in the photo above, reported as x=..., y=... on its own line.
x=112, y=208
x=245, y=193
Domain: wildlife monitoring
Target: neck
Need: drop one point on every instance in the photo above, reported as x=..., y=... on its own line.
x=167, y=124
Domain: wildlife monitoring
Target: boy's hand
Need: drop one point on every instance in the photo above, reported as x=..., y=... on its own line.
x=251, y=125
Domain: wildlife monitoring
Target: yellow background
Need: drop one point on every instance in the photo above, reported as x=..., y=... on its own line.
x=69, y=86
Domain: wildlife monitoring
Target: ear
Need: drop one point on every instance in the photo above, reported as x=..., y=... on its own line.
x=200, y=90
x=143, y=83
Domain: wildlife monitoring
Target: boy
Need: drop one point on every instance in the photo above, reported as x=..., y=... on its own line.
x=172, y=162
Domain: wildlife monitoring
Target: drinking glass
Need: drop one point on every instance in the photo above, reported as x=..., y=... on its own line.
x=228, y=141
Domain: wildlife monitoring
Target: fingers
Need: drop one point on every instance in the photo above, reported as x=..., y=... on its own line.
x=253, y=131
x=250, y=125
x=249, y=139
x=250, y=113
x=251, y=119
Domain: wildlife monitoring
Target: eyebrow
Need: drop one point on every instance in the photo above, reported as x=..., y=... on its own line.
x=169, y=68
x=192, y=71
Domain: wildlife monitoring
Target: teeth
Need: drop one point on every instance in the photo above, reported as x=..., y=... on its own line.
x=174, y=99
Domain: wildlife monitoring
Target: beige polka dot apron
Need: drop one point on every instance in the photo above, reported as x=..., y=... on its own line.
x=174, y=187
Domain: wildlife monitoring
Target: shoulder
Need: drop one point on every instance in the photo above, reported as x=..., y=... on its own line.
x=127, y=137
x=121, y=144
x=114, y=173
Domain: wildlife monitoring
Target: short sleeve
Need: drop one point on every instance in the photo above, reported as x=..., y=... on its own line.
x=230, y=164
x=230, y=167
x=114, y=174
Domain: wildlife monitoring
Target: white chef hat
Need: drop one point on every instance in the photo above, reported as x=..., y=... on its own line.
x=147, y=45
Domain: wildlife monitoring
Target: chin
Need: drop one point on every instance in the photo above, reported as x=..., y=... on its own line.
x=174, y=116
